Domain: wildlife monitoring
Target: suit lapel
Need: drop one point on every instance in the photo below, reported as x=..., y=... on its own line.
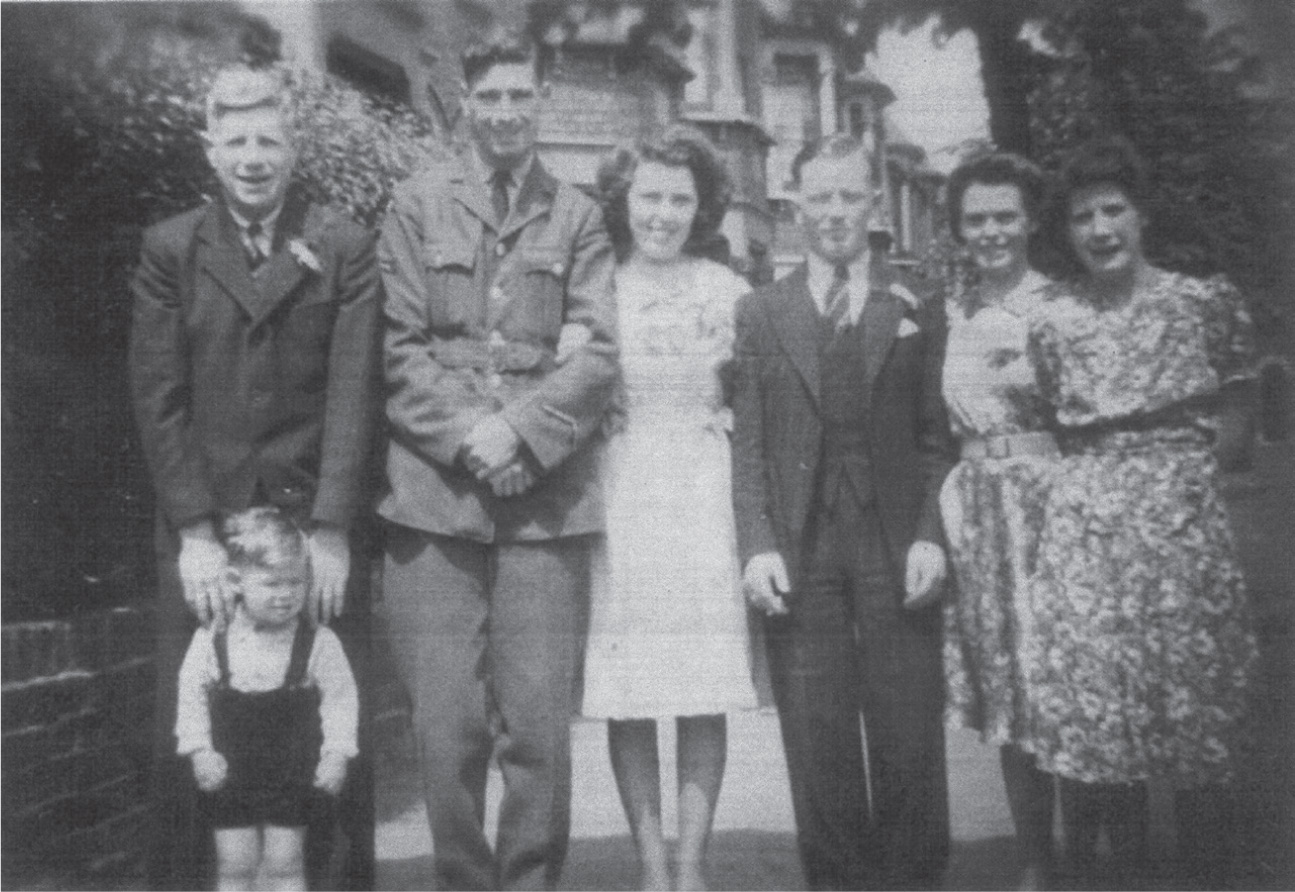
x=472, y=194
x=881, y=315
x=794, y=319
x=534, y=199
x=282, y=272
x=220, y=255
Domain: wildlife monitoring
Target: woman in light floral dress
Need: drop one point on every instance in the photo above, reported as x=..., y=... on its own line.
x=1138, y=598
x=992, y=501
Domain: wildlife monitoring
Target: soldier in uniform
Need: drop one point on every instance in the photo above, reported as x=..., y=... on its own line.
x=254, y=370
x=492, y=496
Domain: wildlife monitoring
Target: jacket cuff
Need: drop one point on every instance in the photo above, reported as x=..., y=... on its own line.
x=550, y=434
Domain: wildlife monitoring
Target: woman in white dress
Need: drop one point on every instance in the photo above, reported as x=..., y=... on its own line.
x=668, y=628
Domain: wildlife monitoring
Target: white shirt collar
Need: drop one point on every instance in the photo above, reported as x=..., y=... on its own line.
x=822, y=272
x=268, y=222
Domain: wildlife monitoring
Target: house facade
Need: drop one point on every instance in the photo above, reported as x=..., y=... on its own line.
x=754, y=75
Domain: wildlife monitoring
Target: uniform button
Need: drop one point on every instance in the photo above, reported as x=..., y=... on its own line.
x=494, y=379
x=501, y=249
x=260, y=398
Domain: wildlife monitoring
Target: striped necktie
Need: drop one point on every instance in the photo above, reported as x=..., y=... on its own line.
x=255, y=253
x=837, y=301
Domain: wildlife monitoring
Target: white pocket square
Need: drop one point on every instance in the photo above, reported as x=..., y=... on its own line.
x=907, y=328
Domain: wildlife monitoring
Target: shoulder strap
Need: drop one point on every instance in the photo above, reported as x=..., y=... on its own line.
x=302, y=645
x=220, y=641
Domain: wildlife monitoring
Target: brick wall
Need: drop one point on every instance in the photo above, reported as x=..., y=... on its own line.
x=77, y=704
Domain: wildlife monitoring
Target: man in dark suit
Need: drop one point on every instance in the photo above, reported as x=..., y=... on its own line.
x=492, y=495
x=255, y=375
x=840, y=446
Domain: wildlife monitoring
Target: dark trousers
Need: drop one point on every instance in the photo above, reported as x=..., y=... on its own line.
x=181, y=849
x=486, y=638
x=849, y=651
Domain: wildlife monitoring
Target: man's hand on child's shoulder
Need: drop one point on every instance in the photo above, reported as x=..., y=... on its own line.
x=331, y=773
x=209, y=769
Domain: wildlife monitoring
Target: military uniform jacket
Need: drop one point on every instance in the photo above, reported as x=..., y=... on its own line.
x=778, y=428
x=473, y=316
x=252, y=388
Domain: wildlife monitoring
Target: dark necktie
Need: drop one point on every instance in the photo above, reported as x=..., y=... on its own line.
x=837, y=302
x=255, y=257
x=499, y=182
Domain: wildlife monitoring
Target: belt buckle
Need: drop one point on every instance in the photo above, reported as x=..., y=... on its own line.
x=998, y=447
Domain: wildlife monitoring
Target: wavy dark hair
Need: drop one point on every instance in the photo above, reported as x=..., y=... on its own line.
x=676, y=146
x=1106, y=159
x=995, y=169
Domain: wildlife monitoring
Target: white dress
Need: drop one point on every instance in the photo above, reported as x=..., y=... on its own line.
x=668, y=628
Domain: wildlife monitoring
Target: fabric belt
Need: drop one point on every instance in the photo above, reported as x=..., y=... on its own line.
x=494, y=355
x=1008, y=445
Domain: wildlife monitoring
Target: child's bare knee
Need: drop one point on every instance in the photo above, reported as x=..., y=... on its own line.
x=282, y=861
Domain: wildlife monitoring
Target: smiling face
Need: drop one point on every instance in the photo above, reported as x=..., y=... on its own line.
x=501, y=108
x=273, y=596
x=252, y=152
x=1105, y=230
x=834, y=206
x=996, y=228
x=662, y=203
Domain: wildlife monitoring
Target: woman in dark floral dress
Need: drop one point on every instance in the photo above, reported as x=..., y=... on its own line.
x=1140, y=605
x=992, y=501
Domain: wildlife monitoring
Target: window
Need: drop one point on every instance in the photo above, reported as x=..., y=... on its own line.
x=366, y=70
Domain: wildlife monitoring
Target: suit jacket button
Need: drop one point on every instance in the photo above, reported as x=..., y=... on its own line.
x=501, y=249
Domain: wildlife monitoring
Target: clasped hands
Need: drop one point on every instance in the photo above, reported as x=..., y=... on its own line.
x=492, y=452
x=492, y=449
x=211, y=770
x=766, y=582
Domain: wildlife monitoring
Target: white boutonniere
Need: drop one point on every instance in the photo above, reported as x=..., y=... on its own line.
x=302, y=253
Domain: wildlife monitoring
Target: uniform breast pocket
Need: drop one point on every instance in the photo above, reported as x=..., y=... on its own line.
x=450, y=270
x=539, y=278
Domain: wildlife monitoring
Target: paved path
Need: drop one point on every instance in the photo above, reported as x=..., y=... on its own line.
x=753, y=846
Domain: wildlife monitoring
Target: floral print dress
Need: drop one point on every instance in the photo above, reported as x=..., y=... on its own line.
x=1140, y=608
x=992, y=510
